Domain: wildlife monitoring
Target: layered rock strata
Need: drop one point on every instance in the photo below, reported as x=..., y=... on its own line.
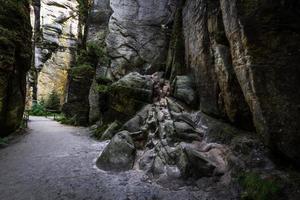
x=56, y=45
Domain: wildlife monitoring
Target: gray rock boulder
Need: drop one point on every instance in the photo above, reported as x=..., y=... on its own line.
x=184, y=90
x=203, y=161
x=119, y=155
x=135, y=124
x=187, y=132
x=129, y=95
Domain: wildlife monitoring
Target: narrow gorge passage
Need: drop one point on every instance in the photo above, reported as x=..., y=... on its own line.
x=153, y=99
x=55, y=161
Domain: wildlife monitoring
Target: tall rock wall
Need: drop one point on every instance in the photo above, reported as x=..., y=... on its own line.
x=207, y=53
x=264, y=37
x=83, y=97
x=245, y=59
x=56, y=47
x=15, y=60
x=97, y=33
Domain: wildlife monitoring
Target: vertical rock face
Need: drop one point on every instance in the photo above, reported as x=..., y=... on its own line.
x=98, y=29
x=55, y=50
x=245, y=58
x=198, y=54
x=137, y=40
x=208, y=56
x=264, y=38
x=98, y=20
x=15, y=58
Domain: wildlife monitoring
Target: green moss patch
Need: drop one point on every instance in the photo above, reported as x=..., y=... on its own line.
x=258, y=188
x=82, y=71
x=65, y=120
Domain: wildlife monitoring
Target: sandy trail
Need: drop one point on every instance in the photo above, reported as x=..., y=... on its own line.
x=55, y=161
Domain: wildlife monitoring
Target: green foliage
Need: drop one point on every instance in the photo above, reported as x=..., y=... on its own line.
x=3, y=141
x=99, y=131
x=103, y=80
x=15, y=33
x=14, y=14
x=257, y=188
x=53, y=101
x=38, y=109
x=83, y=58
x=64, y=120
x=102, y=88
x=93, y=54
x=83, y=7
x=98, y=52
x=83, y=70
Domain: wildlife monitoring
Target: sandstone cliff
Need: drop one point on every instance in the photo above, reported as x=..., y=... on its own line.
x=15, y=60
x=55, y=45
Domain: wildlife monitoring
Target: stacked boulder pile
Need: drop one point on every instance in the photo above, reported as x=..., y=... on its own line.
x=165, y=139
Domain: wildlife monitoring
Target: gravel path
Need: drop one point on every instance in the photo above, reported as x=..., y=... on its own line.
x=55, y=161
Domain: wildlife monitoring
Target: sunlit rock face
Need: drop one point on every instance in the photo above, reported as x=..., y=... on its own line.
x=15, y=60
x=137, y=39
x=55, y=52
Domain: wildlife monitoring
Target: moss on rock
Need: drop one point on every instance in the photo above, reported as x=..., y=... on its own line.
x=259, y=188
x=15, y=60
x=81, y=71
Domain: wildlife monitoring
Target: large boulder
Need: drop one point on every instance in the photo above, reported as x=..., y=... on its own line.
x=130, y=94
x=135, y=124
x=119, y=155
x=184, y=90
x=203, y=160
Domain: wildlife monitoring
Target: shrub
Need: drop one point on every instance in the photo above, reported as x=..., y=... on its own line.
x=82, y=71
x=53, y=101
x=38, y=109
x=97, y=53
x=99, y=131
x=64, y=120
x=93, y=54
x=102, y=88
